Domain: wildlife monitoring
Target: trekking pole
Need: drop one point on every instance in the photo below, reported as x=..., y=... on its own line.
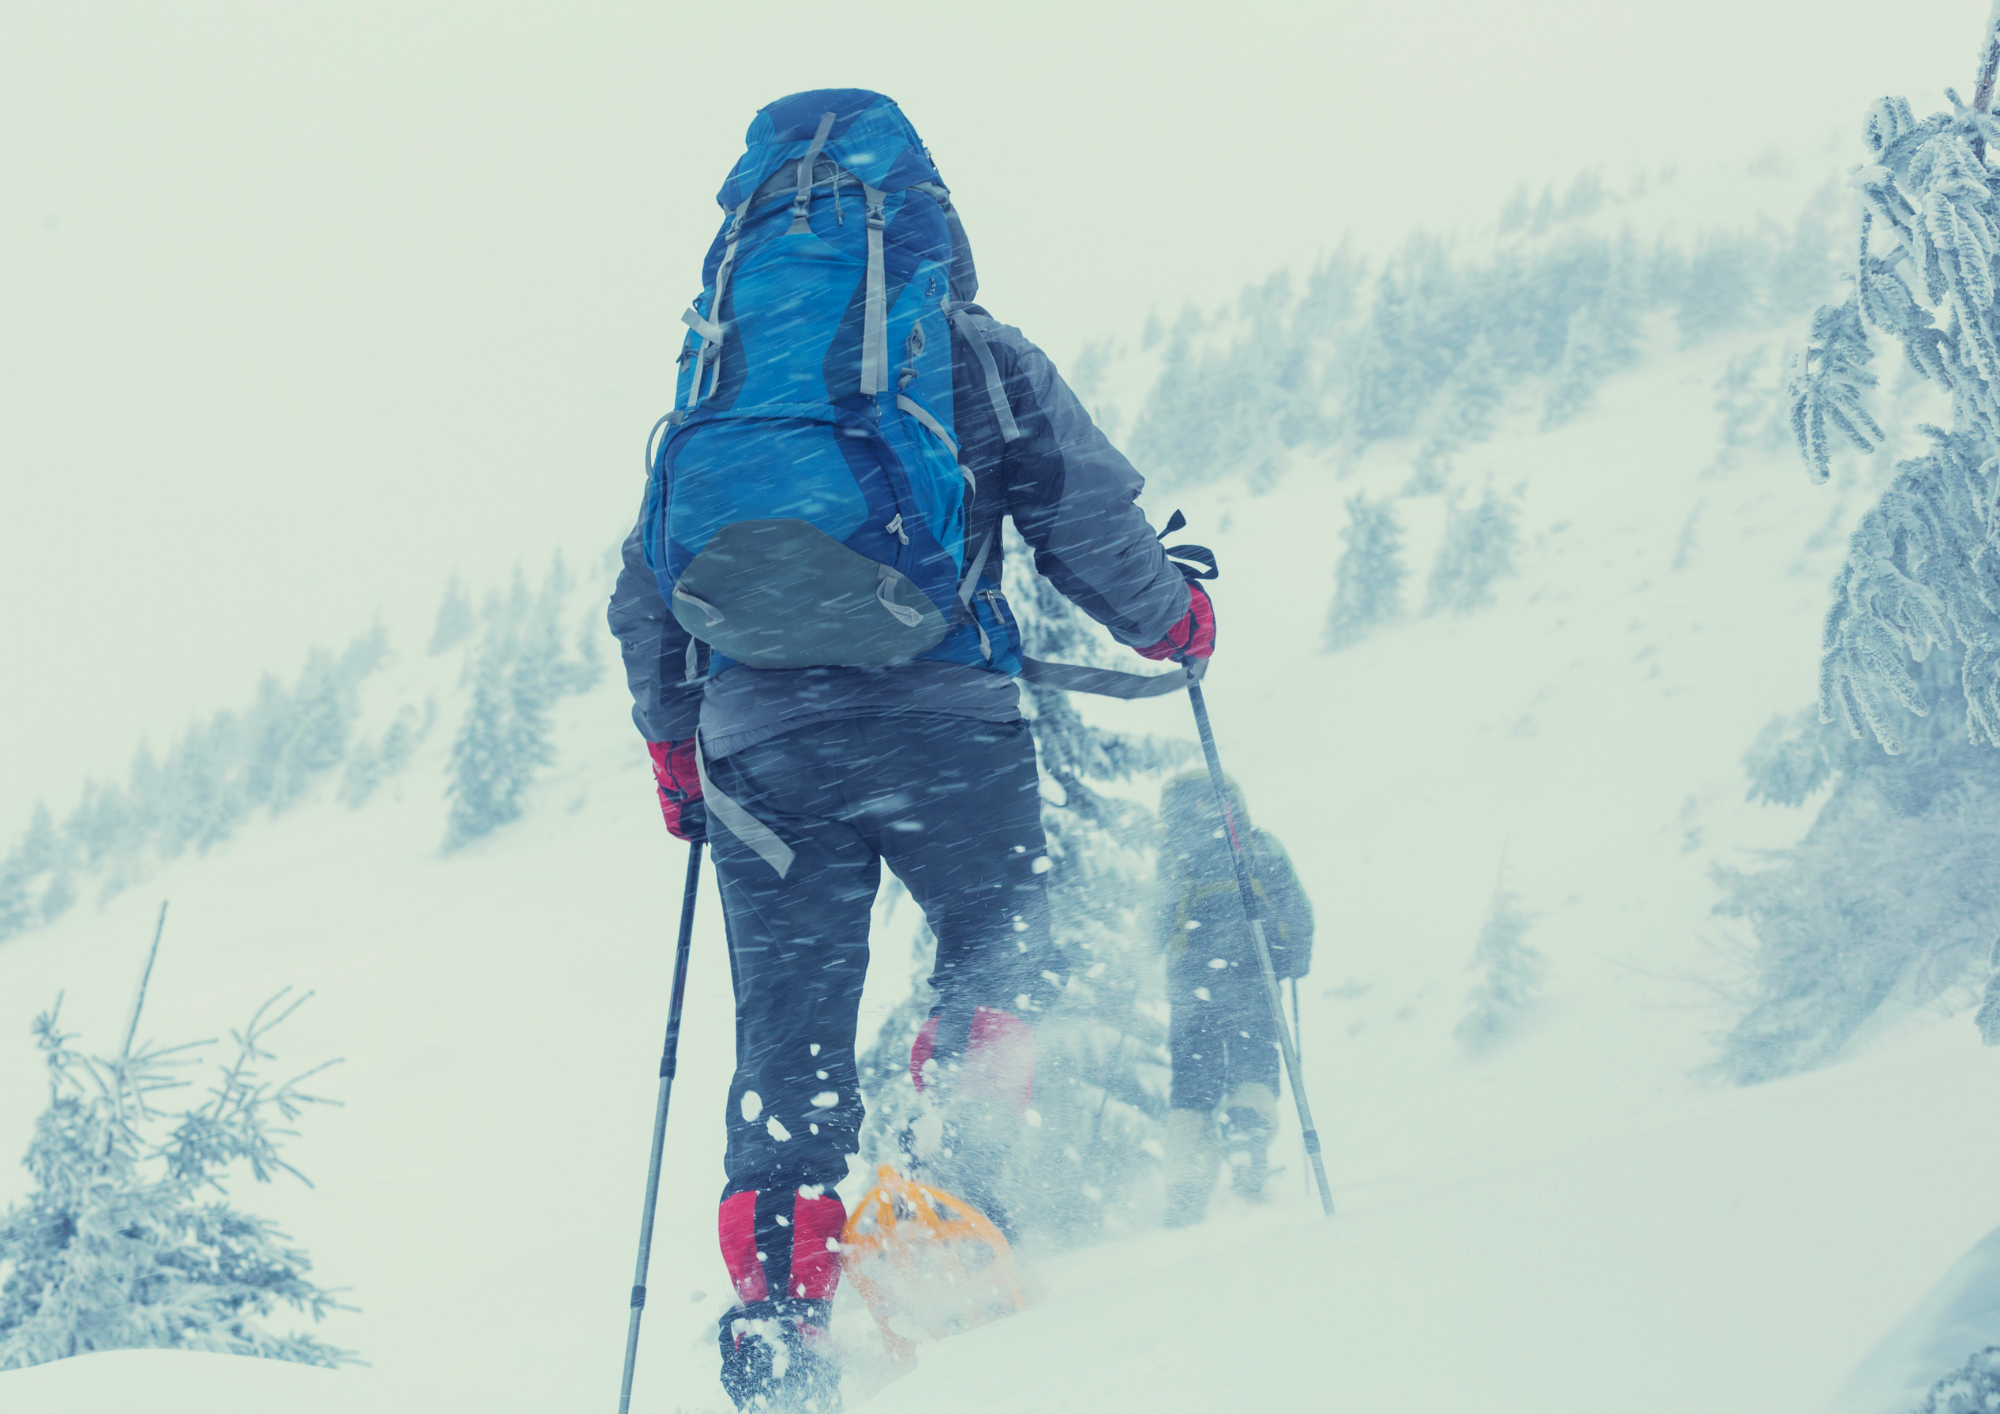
x=1249, y=898
x=1299, y=1041
x=667, y=1063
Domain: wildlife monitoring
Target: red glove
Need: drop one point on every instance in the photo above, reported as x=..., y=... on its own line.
x=680, y=789
x=1194, y=635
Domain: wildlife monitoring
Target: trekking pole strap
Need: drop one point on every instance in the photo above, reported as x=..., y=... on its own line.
x=1108, y=682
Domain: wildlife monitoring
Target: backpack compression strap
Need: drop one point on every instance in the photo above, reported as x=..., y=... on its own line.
x=874, y=312
x=710, y=331
x=802, y=201
x=761, y=839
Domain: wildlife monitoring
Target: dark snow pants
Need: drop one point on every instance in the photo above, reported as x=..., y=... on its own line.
x=953, y=806
x=1220, y=1034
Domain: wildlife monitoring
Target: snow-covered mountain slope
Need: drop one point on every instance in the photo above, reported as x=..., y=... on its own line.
x=1956, y=1318
x=1575, y=1220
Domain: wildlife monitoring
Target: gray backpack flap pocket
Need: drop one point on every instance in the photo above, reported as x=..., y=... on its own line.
x=785, y=594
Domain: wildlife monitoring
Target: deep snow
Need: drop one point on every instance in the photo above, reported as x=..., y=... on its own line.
x=1577, y=1221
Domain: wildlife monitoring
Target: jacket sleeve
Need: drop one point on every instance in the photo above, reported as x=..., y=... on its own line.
x=1074, y=498
x=666, y=705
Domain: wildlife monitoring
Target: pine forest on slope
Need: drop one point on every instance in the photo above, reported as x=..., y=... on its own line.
x=1464, y=544
x=1428, y=351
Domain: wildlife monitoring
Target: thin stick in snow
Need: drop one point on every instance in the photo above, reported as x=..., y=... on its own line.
x=139, y=1002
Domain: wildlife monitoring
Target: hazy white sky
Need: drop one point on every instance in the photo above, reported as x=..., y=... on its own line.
x=303, y=307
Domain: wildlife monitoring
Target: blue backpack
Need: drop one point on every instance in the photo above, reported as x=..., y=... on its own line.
x=806, y=506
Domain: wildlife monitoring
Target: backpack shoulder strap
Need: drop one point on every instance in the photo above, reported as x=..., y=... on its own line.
x=960, y=315
x=964, y=274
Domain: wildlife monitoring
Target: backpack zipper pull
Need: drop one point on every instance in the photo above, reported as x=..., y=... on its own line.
x=895, y=528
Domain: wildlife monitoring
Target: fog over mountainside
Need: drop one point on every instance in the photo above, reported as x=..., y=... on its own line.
x=307, y=308
x=1518, y=564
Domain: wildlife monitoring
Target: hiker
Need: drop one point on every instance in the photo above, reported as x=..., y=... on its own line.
x=1221, y=1034
x=822, y=663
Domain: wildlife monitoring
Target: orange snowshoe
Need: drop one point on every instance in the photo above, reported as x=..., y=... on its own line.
x=927, y=1263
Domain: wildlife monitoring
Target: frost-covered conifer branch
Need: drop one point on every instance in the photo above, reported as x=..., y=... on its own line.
x=117, y=1245
x=236, y=1121
x=1923, y=567
x=1827, y=385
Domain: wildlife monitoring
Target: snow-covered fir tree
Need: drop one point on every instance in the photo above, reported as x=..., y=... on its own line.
x=1887, y=898
x=1921, y=573
x=1886, y=901
x=1974, y=1388
x=92, y=829
x=362, y=774
x=35, y=877
x=42, y=852
x=1478, y=548
x=271, y=754
x=218, y=773
x=202, y=797
x=1101, y=1069
x=1721, y=288
x=18, y=912
x=313, y=735
x=496, y=753
x=132, y=855
x=1510, y=972
x=1987, y=1018
x=455, y=620
x=1604, y=333
x=1432, y=343
x=127, y=1239
x=369, y=763
x=1213, y=411
x=516, y=674
x=1368, y=581
x=1462, y=413
x=1749, y=408
x=1410, y=341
